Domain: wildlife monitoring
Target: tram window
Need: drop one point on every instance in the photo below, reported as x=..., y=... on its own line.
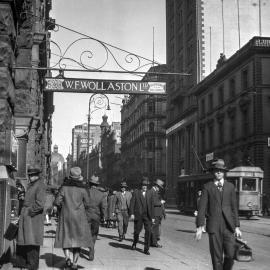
x=235, y=182
x=249, y=184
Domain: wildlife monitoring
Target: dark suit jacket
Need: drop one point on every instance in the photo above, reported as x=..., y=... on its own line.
x=138, y=204
x=97, y=204
x=217, y=206
x=154, y=203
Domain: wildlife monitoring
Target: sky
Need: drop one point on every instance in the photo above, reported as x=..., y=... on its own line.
x=127, y=24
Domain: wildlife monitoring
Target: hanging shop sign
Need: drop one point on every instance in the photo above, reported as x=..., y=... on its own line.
x=104, y=86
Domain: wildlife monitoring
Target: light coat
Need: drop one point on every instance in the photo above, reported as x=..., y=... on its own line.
x=31, y=222
x=119, y=201
x=73, y=229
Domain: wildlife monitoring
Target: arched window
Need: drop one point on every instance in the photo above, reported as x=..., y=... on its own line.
x=151, y=127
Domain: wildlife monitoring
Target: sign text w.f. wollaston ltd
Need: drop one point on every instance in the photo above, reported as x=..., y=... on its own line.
x=104, y=86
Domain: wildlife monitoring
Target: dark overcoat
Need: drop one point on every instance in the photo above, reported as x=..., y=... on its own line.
x=154, y=204
x=97, y=204
x=73, y=229
x=138, y=205
x=217, y=205
x=31, y=222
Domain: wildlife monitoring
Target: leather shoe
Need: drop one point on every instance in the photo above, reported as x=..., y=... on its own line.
x=157, y=246
x=146, y=252
x=120, y=238
x=133, y=246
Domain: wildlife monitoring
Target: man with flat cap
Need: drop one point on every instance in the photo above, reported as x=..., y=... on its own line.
x=31, y=222
x=96, y=208
x=222, y=222
x=156, y=210
x=121, y=209
x=139, y=212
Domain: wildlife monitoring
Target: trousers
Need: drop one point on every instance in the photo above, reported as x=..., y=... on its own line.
x=222, y=242
x=155, y=231
x=138, y=225
x=122, y=218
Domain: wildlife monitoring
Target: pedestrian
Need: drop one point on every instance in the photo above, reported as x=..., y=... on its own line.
x=30, y=233
x=139, y=212
x=73, y=231
x=222, y=222
x=95, y=210
x=20, y=195
x=121, y=210
x=154, y=201
x=199, y=195
x=111, y=219
x=265, y=205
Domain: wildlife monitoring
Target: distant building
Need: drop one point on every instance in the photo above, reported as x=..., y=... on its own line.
x=143, y=149
x=234, y=109
x=110, y=153
x=57, y=167
x=79, y=140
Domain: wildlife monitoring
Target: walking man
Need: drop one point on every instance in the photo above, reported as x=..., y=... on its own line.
x=31, y=222
x=154, y=202
x=122, y=204
x=96, y=208
x=222, y=223
x=139, y=212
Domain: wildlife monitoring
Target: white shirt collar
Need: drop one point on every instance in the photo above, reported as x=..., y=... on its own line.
x=221, y=181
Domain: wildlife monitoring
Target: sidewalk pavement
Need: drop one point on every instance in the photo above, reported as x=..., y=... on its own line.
x=110, y=254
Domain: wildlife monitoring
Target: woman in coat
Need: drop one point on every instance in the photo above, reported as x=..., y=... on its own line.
x=73, y=231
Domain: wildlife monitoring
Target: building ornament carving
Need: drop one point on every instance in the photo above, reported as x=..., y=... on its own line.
x=231, y=111
x=244, y=103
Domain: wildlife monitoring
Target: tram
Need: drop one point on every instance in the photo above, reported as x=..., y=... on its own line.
x=248, y=182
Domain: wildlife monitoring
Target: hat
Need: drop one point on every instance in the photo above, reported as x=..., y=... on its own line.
x=123, y=184
x=159, y=183
x=33, y=170
x=218, y=164
x=75, y=173
x=94, y=180
x=145, y=181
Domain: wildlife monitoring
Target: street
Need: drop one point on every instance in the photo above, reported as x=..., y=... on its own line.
x=179, y=251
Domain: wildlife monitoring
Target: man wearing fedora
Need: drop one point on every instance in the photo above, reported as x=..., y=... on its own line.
x=155, y=206
x=139, y=212
x=222, y=223
x=121, y=209
x=96, y=208
x=31, y=222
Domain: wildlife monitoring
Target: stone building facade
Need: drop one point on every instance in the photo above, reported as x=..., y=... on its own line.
x=234, y=109
x=143, y=149
x=185, y=53
x=25, y=109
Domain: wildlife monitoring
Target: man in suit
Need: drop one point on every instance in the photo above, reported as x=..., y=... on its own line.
x=222, y=223
x=155, y=205
x=96, y=208
x=141, y=216
x=121, y=209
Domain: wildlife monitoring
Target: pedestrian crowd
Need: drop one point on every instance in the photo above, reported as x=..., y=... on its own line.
x=81, y=207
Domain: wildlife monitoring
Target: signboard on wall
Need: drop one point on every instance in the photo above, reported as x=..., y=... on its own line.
x=209, y=156
x=76, y=85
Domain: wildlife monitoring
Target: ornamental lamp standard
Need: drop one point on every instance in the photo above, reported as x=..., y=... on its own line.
x=99, y=103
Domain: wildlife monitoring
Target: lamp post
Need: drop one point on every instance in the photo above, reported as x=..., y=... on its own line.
x=99, y=104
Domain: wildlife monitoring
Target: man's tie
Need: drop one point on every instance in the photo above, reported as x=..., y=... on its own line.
x=219, y=185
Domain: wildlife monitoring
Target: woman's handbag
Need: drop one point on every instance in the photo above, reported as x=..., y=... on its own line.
x=12, y=231
x=243, y=253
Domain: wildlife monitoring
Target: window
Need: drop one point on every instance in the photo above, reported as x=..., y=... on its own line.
x=151, y=107
x=232, y=129
x=210, y=136
x=245, y=123
x=244, y=79
x=210, y=101
x=221, y=132
x=203, y=140
x=151, y=144
x=221, y=95
x=151, y=127
x=249, y=184
x=203, y=107
x=232, y=87
x=151, y=165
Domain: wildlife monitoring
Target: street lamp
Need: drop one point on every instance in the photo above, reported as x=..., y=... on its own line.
x=99, y=104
